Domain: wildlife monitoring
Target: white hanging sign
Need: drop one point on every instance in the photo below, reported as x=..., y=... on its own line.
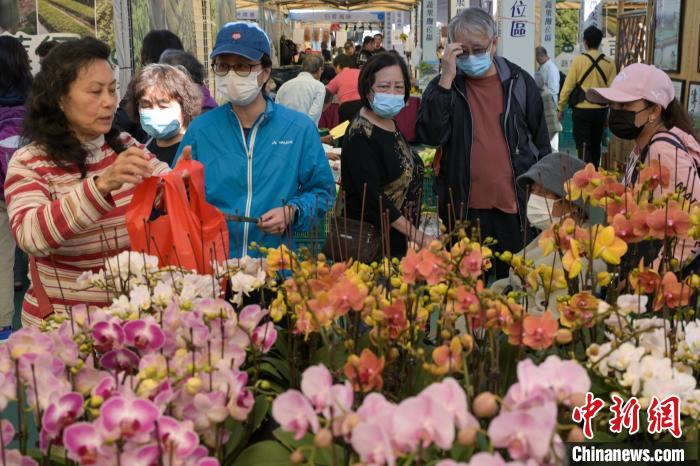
x=430, y=32
x=547, y=25
x=517, y=29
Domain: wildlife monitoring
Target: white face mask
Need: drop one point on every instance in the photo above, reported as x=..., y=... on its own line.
x=539, y=212
x=238, y=90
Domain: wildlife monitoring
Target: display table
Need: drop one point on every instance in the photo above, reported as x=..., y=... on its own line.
x=405, y=120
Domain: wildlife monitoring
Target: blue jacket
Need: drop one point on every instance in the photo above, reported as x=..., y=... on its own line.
x=282, y=162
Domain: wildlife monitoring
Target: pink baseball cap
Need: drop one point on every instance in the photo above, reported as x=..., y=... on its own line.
x=636, y=81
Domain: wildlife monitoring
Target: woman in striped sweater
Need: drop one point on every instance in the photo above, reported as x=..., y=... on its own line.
x=67, y=192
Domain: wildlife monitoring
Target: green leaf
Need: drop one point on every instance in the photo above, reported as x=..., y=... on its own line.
x=281, y=366
x=332, y=357
x=259, y=412
x=266, y=453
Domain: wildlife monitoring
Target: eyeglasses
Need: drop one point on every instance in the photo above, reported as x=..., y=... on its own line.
x=478, y=50
x=241, y=69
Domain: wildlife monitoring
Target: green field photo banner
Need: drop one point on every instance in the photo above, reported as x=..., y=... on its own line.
x=18, y=16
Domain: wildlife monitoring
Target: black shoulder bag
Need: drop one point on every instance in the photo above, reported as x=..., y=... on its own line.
x=578, y=95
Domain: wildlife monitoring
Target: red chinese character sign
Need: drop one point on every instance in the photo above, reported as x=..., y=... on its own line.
x=661, y=415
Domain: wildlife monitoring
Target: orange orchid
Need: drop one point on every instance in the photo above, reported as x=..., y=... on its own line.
x=669, y=221
x=582, y=183
x=501, y=315
x=624, y=205
x=624, y=229
x=327, y=276
x=432, y=266
x=322, y=308
x=394, y=322
x=655, y=175
x=539, y=331
x=608, y=188
x=578, y=310
x=672, y=293
x=448, y=359
x=644, y=280
x=409, y=266
x=466, y=301
x=471, y=264
x=346, y=295
x=365, y=372
x=607, y=245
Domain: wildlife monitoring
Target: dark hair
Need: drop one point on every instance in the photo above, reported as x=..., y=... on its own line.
x=540, y=51
x=185, y=59
x=16, y=72
x=593, y=37
x=45, y=47
x=156, y=42
x=676, y=116
x=378, y=34
x=45, y=123
x=374, y=64
x=173, y=82
x=343, y=61
x=367, y=40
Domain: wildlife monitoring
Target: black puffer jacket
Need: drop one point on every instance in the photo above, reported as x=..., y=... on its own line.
x=445, y=120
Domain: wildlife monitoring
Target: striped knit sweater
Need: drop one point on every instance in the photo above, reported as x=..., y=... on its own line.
x=62, y=220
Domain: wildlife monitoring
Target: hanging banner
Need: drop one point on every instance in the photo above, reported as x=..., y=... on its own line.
x=457, y=6
x=517, y=33
x=31, y=42
x=338, y=16
x=547, y=25
x=389, y=18
x=247, y=15
x=430, y=33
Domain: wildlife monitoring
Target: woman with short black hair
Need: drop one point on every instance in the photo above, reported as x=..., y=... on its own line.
x=379, y=171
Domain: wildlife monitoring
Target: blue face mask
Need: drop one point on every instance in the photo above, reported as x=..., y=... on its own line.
x=161, y=123
x=387, y=105
x=475, y=65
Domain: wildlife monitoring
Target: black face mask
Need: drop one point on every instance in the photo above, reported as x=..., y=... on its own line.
x=621, y=123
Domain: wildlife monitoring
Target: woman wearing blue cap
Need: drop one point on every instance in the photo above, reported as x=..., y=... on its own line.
x=264, y=163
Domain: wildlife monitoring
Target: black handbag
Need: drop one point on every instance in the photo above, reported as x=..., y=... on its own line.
x=351, y=239
x=578, y=95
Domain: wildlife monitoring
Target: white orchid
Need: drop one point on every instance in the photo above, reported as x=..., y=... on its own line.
x=626, y=354
x=632, y=304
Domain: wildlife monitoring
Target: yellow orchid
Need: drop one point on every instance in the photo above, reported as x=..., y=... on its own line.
x=607, y=245
x=572, y=259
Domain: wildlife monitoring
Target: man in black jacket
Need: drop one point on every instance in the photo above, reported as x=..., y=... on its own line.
x=487, y=115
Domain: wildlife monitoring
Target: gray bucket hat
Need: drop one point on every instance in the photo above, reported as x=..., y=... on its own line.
x=551, y=172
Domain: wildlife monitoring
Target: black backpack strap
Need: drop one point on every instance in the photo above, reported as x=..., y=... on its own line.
x=594, y=65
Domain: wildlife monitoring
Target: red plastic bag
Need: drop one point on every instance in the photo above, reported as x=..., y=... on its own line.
x=191, y=233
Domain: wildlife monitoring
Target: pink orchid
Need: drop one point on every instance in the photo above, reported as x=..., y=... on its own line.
x=316, y=383
x=128, y=417
x=250, y=317
x=294, y=413
x=144, y=335
x=106, y=388
x=43, y=364
x=107, y=336
x=241, y=399
x=452, y=397
x=207, y=409
x=376, y=407
x=61, y=413
x=15, y=458
x=29, y=340
x=196, y=329
x=264, y=337
x=88, y=378
x=527, y=433
x=565, y=377
x=83, y=443
x=339, y=408
x=145, y=456
x=48, y=387
x=178, y=437
x=216, y=308
x=120, y=360
x=8, y=432
x=65, y=349
x=373, y=444
x=419, y=420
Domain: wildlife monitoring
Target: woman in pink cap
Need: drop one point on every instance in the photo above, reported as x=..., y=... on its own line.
x=643, y=108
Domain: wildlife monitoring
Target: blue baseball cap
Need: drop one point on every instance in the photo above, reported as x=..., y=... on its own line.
x=242, y=38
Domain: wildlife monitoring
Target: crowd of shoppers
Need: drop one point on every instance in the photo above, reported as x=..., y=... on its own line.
x=72, y=157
